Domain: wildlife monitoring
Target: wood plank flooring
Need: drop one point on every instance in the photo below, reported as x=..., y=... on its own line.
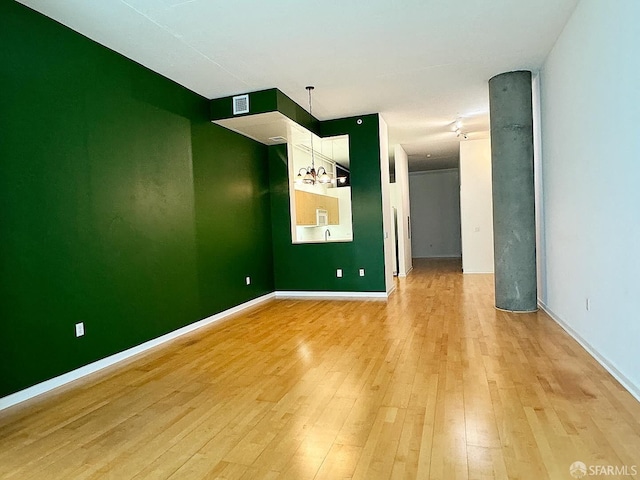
x=432, y=384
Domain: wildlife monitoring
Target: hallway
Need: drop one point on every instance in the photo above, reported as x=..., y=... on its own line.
x=433, y=383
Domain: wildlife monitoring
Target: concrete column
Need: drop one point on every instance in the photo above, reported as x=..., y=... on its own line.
x=514, y=228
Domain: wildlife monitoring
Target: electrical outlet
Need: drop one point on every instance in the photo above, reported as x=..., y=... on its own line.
x=79, y=329
x=248, y=280
x=362, y=272
x=339, y=273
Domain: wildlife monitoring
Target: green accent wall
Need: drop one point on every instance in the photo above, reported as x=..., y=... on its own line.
x=312, y=266
x=233, y=218
x=295, y=112
x=121, y=205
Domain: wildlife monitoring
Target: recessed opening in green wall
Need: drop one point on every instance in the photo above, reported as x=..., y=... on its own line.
x=320, y=205
x=319, y=188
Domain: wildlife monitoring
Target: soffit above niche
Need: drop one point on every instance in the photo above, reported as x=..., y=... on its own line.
x=271, y=128
x=274, y=128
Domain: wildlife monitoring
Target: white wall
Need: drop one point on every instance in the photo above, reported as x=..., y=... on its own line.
x=435, y=213
x=395, y=195
x=590, y=109
x=402, y=205
x=541, y=276
x=476, y=206
x=343, y=231
x=387, y=220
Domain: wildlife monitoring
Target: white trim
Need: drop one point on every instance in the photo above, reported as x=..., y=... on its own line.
x=48, y=385
x=403, y=275
x=608, y=366
x=329, y=295
x=435, y=170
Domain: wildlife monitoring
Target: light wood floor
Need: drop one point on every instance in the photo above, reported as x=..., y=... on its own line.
x=433, y=384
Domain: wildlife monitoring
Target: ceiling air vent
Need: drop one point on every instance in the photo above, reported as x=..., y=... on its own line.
x=240, y=104
x=278, y=139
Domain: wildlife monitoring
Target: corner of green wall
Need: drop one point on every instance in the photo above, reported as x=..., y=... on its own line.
x=109, y=210
x=293, y=262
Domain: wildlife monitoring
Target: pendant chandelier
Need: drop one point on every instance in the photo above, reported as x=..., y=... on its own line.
x=310, y=175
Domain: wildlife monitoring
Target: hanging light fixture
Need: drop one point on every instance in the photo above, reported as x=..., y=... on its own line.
x=310, y=175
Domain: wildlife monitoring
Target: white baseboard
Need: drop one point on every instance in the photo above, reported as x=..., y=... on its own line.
x=403, y=275
x=48, y=385
x=329, y=295
x=631, y=387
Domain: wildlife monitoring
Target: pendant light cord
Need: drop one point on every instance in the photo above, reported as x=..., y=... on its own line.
x=313, y=163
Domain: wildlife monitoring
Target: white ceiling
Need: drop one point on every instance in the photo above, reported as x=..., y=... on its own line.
x=420, y=63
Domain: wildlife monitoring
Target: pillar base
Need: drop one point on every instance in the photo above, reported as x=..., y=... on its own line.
x=516, y=311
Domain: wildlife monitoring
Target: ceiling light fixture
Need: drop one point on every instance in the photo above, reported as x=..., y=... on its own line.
x=309, y=175
x=457, y=129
